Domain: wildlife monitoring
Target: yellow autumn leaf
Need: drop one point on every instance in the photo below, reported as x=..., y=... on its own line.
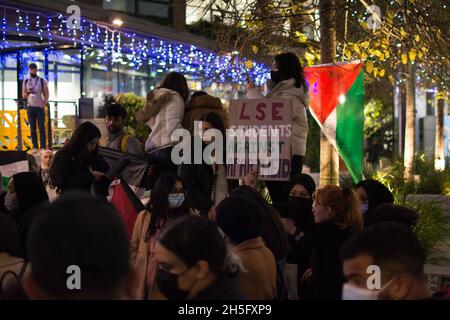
x=309, y=56
x=424, y=49
x=348, y=55
x=356, y=48
x=386, y=54
x=249, y=64
x=404, y=58
x=375, y=72
x=364, y=44
x=377, y=53
x=402, y=32
x=412, y=55
x=391, y=78
x=369, y=66
x=364, y=24
x=381, y=57
x=254, y=49
x=420, y=54
x=381, y=74
x=372, y=51
x=363, y=56
x=301, y=37
x=417, y=38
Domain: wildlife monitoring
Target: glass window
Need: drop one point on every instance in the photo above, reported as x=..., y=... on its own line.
x=120, y=5
x=154, y=8
x=8, y=78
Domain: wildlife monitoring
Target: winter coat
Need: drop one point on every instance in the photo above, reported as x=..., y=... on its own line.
x=300, y=100
x=199, y=181
x=163, y=114
x=327, y=275
x=258, y=280
x=200, y=106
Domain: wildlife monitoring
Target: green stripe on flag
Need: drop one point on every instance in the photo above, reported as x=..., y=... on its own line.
x=350, y=126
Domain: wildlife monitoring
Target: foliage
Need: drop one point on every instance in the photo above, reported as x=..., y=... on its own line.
x=433, y=225
x=408, y=32
x=132, y=103
x=378, y=129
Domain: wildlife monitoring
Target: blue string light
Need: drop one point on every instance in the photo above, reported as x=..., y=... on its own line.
x=135, y=50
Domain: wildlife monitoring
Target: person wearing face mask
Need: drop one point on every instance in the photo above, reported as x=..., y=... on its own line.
x=372, y=193
x=35, y=91
x=298, y=222
x=336, y=213
x=207, y=184
x=167, y=202
x=194, y=262
x=400, y=256
x=287, y=81
x=78, y=165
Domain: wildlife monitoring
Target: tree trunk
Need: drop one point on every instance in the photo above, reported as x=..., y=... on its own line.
x=410, y=124
x=329, y=158
x=439, y=160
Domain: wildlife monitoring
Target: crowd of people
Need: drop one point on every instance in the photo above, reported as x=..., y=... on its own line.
x=201, y=236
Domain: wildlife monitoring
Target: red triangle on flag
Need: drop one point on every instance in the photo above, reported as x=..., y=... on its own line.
x=327, y=83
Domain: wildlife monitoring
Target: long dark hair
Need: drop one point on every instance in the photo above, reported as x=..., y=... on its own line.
x=289, y=66
x=176, y=82
x=158, y=205
x=273, y=232
x=77, y=145
x=217, y=123
x=193, y=238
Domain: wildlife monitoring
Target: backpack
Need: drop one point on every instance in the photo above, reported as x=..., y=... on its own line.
x=123, y=143
x=42, y=83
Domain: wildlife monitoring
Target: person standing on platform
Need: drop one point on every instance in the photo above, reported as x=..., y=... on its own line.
x=35, y=90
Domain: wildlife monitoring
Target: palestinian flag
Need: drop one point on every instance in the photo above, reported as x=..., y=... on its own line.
x=336, y=94
x=12, y=162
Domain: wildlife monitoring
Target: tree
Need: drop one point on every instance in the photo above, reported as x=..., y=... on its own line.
x=329, y=158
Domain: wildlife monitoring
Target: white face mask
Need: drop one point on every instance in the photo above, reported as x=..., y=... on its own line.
x=363, y=207
x=176, y=200
x=351, y=292
x=10, y=202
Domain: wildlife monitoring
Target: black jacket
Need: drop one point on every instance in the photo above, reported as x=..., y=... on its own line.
x=328, y=278
x=198, y=181
x=69, y=173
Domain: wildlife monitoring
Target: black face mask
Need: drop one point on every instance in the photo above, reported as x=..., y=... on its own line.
x=298, y=208
x=168, y=284
x=275, y=76
x=33, y=75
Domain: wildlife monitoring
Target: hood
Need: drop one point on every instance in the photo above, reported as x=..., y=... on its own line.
x=205, y=101
x=287, y=86
x=158, y=98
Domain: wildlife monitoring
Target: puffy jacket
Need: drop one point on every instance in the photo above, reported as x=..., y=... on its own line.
x=201, y=105
x=300, y=100
x=163, y=114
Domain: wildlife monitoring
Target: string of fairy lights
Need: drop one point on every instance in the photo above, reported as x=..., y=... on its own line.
x=117, y=46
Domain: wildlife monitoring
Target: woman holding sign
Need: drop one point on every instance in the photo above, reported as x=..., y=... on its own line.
x=287, y=81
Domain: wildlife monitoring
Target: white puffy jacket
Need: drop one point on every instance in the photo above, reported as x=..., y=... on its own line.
x=300, y=101
x=163, y=114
